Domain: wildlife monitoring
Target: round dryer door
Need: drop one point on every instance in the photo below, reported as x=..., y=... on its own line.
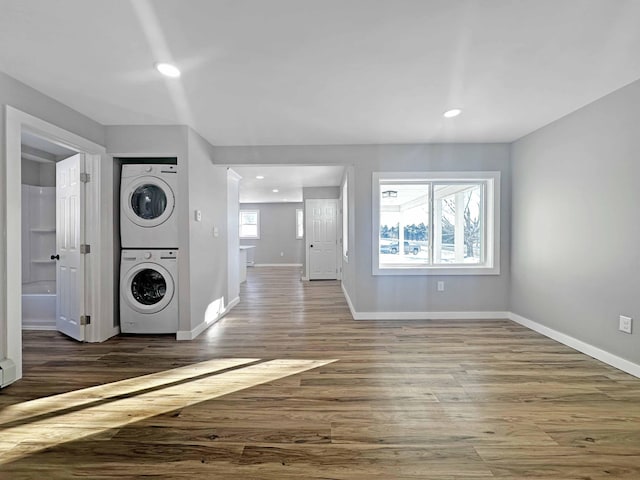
x=148, y=202
x=148, y=288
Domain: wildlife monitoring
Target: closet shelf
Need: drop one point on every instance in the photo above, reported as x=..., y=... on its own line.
x=43, y=230
x=44, y=261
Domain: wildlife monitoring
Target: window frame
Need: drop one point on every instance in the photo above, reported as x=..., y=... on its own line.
x=299, y=223
x=491, y=226
x=249, y=237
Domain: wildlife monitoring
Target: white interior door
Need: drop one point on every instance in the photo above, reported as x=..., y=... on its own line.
x=322, y=238
x=69, y=238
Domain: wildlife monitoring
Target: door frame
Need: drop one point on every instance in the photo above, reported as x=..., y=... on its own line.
x=307, y=241
x=98, y=205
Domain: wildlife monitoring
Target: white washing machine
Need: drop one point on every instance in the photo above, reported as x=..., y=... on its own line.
x=149, y=291
x=148, y=216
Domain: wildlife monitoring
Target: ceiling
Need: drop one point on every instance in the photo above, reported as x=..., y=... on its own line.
x=288, y=180
x=313, y=72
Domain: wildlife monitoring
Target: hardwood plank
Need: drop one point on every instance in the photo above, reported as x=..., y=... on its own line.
x=446, y=400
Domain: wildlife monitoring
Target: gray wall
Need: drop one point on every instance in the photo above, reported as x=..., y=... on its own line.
x=277, y=233
x=320, y=192
x=208, y=261
x=414, y=293
x=30, y=101
x=38, y=173
x=576, y=224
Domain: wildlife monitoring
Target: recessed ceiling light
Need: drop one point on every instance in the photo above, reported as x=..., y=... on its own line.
x=275, y=190
x=454, y=112
x=168, y=70
x=260, y=177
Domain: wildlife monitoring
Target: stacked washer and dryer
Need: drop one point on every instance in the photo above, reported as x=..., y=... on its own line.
x=149, y=257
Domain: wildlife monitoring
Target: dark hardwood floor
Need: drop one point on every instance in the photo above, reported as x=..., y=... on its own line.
x=288, y=386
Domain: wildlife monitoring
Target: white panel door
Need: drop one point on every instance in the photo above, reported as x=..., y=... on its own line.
x=322, y=238
x=69, y=237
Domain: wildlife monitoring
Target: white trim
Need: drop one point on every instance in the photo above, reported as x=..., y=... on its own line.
x=98, y=234
x=349, y=302
x=586, y=348
x=7, y=372
x=198, y=329
x=492, y=180
x=304, y=279
x=249, y=210
x=277, y=265
x=39, y=327
x=307, y=240
x=498, y=315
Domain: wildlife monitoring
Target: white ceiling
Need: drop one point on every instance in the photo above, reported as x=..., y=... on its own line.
x=288, y=180
x=298, y=72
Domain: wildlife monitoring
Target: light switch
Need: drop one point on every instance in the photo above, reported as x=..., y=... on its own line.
x=216, y=233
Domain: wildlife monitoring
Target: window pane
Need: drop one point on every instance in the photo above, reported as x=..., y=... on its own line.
x=249, y=224
x=249, y=218
x=404, y=224
x=299, y=223
x=458, y=223
x=248, y=231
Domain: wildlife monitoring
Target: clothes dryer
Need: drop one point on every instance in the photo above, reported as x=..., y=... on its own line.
x=149, y=291
x=148, y=216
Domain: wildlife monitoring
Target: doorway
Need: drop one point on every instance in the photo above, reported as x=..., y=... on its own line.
x=38, y=195
x=99, y=207
x=322, y=238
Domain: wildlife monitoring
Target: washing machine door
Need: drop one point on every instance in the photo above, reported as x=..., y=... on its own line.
x=148, y=201
x=148, y=287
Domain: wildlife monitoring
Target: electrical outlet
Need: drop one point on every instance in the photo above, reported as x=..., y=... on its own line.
x=198, y=215
x=625, y=324
x=441, y=286
x=282, y=254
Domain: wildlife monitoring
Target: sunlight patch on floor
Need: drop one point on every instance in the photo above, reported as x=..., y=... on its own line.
x=76, y=398
x=29, y=438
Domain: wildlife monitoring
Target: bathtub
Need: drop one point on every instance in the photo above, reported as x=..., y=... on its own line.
x=39, y=305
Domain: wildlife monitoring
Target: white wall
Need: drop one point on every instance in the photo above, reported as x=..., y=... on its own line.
x=576, y=225
x=410, y=293
x=277, y=234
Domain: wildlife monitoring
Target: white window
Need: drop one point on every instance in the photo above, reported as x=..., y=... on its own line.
x=249, y=223
x=299, y=223
x=345, y=218
x=437, y=223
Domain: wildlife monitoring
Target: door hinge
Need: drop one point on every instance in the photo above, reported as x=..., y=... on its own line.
x=85, y=177
x=85, y=319
x=84, y=249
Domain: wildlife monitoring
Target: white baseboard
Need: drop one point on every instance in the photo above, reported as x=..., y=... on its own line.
x=468, y=315
x=278, y=265
x=39, y=327
x=349, y=302
x=586, y=348
x=471, y=315
x=198, y=329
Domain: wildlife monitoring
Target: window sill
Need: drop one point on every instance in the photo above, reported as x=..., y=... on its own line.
x=404, y=270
